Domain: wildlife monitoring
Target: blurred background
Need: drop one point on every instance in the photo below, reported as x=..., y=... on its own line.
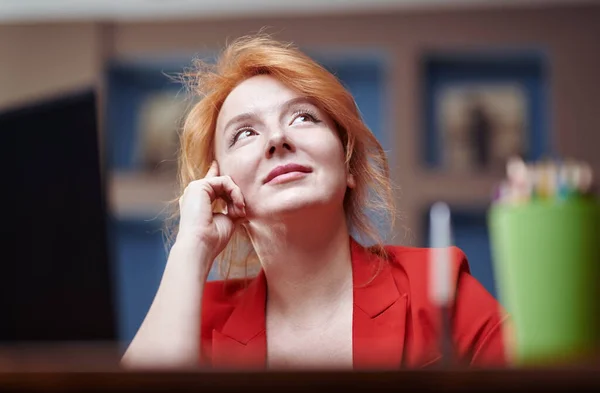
x=89, y=119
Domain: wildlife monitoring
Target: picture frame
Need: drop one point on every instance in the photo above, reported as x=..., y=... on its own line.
x=480, y=109
x=145, y=111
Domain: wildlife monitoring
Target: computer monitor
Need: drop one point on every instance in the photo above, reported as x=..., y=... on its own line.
x=55, y=273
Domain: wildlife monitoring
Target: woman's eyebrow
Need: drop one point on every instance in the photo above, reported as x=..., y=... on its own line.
x=295, y=101
x=242, y=117
x=289, y=104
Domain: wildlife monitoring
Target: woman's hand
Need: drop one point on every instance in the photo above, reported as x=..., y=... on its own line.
x=169, y=335
x=199, y=223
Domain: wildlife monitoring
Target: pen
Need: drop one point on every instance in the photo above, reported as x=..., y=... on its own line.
x=441, y=291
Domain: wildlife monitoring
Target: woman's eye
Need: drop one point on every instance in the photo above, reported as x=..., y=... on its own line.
x=242, y=134
x=303, y=118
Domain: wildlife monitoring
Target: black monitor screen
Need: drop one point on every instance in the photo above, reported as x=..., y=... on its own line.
x=55, y=276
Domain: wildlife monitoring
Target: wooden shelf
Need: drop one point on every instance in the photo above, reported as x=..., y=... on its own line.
x=134, y=195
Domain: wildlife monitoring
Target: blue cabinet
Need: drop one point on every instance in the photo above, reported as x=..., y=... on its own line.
x=139, y=257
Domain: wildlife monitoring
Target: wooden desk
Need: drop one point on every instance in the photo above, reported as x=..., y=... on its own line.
x=96, y=369
x=407, y=381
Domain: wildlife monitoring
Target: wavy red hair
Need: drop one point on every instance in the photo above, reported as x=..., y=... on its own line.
x=260, y=54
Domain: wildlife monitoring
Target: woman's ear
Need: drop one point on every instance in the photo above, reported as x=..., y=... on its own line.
x=351, y=182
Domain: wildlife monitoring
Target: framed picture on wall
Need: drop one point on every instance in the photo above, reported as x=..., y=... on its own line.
x=481, y=110
x=146, y=109
x=481, y=125
x=159, y=119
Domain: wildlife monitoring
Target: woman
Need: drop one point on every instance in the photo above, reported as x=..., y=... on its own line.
x=277, y=170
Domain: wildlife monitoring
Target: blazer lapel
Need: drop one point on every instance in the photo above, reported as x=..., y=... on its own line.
x=379, y=320
x=243, y=342
x=379, y=313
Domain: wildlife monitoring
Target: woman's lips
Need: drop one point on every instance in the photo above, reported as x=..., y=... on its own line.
x=286, y=177
x=288, y=172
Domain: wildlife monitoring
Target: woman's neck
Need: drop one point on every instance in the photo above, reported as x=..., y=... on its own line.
x=307, y=261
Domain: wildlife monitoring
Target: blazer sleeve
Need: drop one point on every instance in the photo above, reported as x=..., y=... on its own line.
x=480, y=322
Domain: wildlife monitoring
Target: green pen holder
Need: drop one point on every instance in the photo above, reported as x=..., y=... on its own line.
x=546, y=260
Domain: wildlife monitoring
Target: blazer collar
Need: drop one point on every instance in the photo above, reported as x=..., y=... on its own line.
x=379, y=312
x=379, y=316
x=242, y=341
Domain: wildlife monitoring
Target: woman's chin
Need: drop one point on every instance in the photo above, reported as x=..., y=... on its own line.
x=290, y=207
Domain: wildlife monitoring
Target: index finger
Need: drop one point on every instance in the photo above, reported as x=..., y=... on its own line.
x=213, y=171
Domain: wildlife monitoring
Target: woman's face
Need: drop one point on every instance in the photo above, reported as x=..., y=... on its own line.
x=280, y=149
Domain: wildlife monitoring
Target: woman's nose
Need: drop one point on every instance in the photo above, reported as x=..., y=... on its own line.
x=279, y=143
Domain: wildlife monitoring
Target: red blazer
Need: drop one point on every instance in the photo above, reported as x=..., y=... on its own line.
x=394, y=324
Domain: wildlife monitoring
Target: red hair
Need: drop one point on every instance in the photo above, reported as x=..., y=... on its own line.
x=257, y=55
